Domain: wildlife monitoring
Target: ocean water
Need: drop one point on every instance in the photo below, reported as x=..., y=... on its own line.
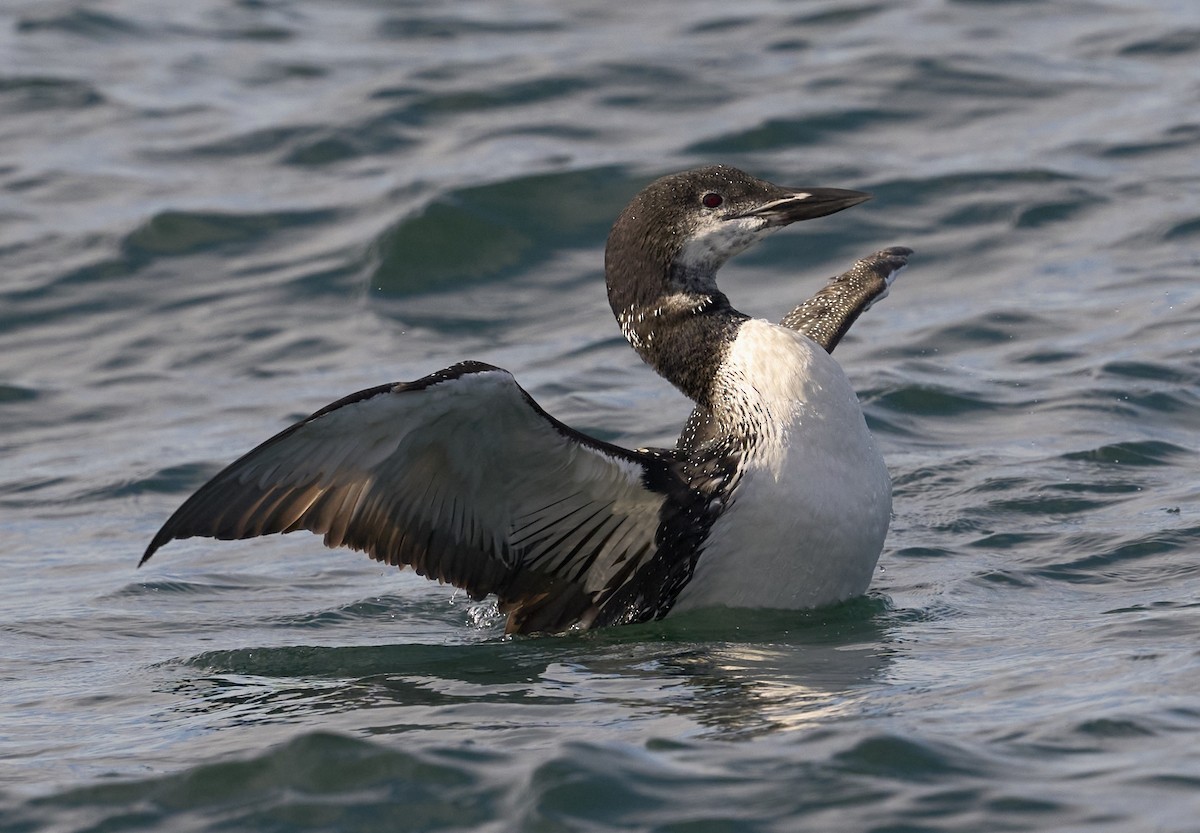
x=216, y=217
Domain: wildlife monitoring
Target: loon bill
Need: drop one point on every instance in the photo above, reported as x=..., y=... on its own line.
x=774, y=496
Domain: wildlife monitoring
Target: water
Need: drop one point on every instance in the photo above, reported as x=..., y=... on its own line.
x=216, y=218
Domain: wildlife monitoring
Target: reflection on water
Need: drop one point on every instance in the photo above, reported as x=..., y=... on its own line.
x=812, y=669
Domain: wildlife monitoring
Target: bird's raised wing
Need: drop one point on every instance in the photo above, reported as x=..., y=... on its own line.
x=463, y=477
x=826, y=316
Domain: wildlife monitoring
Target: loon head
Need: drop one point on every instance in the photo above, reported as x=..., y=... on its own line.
x=665, y=248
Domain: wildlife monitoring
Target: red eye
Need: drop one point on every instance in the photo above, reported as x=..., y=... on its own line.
x=712, y=200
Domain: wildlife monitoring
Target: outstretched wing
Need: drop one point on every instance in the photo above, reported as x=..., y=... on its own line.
x=463, y=477
x=826, y=316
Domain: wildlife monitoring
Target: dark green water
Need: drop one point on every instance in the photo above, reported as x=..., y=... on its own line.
x=216, y=218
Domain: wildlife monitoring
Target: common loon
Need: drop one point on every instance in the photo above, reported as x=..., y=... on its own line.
x=775, y=495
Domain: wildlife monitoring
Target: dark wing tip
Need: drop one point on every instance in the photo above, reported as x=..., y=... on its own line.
x=163, y=536
x=175, y=527
x=154, y=545
x=892, y=259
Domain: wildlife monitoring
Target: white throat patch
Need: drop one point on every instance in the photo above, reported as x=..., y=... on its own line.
x=717, y=240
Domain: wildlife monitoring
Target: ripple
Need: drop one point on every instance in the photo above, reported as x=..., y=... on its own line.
x=512, y=225
x=923, y=552
x=1044, y=504
x=307, y=145
x=171, y=587
x=31, y=94
x=1109, y=727
x=492, y=663
x=369, y=610
x=1135, y=453
x=656, y=87
x=424, y=252
x=264, y=140
x=28, y=492
x=168, y=481
x=720, y=25
x=1180, y=137
x=1013, y=540
x=1122, y=487
x=1103, y=561
x=329, y=146
x=1186, y=230
x=983, y=182
x=86, y=23
x=1178, y=405
x=928, y=400
x=962, y=75
x=428, y=107
x=175, y=233
x=1170, y=44
x=779, y=133
x=17, y=393
x=908, y=759
x=1150, y=371
x=991, y=328
x=1044, y=355
x=841, y=15
x=264, y=33
x=1005, y=578
x=338, y=781
x=422, y=27
x=1051, y=212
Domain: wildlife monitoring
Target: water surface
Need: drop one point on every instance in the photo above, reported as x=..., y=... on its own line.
x=215, y=219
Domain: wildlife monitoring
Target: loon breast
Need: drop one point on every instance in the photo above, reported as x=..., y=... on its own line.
x=809, y=505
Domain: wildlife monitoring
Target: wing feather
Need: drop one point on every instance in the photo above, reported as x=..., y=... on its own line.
x=460, y=476
x=828, y=315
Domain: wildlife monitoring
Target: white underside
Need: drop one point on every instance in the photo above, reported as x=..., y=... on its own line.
x=813, y=499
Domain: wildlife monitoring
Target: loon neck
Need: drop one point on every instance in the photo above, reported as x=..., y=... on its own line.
x=682, y=330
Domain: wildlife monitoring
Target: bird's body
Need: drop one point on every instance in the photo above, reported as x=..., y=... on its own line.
x=811, y=481
x=775, y=495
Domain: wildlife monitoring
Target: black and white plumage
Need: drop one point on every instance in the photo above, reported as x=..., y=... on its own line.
x=774, y=496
